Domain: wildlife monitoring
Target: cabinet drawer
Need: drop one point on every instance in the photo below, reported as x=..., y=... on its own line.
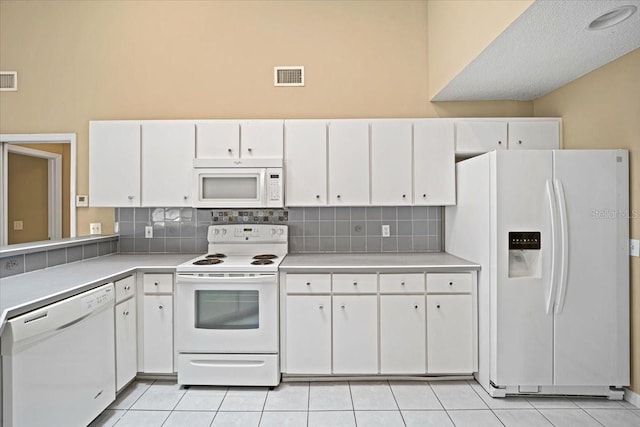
x=308, y=283
x=401, y=283
x=449, y=283
x=125, y=288
x=158, y=283
x=354, y=283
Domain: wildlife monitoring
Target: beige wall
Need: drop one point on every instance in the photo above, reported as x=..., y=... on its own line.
x=459, y=30
x=602, y=110
x=31, y=206
x=81, y=61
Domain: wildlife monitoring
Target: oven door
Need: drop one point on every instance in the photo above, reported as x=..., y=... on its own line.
x=230, y=188
x=227, y=313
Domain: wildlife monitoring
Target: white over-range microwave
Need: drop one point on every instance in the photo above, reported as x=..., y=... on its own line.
x=238, y=183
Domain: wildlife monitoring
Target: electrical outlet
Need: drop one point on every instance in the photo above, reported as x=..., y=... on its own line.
x=18, y=225
x=95, y=228
x=148, y=232
x=634, y=247
x=116, y=227
x=386, y=231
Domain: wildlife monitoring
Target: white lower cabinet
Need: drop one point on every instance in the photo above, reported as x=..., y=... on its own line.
x=402, y=334
x=158, y=334
x=355, y=334
x=450, y=334
x=308, y=334
x=126, y=342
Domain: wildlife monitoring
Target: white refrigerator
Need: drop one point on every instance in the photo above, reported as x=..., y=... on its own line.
x=550, y=229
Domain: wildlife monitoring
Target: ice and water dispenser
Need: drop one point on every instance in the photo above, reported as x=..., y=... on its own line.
x=524, y=254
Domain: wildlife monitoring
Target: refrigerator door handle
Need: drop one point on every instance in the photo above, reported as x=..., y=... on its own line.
x=564, y=242
x=553, y=209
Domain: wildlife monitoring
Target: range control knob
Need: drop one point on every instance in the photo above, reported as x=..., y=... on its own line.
x=224, y=231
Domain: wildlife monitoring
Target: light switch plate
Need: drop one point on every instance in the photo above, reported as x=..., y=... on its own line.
x=386, y=232
x=18, y=225
x=82, y=201
x=634, y=247
x=148, y=232
x=95, y=228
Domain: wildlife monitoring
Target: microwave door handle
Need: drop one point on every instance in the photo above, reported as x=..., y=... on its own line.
x=186, y=278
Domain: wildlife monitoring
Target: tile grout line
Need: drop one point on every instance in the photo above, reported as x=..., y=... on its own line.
x=440, y=402
x=396, y=400
x=485, y=403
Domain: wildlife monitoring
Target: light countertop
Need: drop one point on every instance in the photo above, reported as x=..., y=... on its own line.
x=376, y=262
x=25, y=292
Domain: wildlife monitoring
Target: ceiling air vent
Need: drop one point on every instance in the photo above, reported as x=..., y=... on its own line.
x=288, y=76
x=8, y=80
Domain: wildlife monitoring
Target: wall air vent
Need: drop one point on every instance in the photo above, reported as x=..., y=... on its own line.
x=292, y=75
x=8, y=80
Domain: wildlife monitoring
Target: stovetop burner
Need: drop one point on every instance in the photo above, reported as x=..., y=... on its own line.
x=217, y=255
x=208, y=261
x=261, y=261
x=265, y=256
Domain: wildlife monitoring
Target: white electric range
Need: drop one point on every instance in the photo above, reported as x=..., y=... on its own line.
x=227, y=308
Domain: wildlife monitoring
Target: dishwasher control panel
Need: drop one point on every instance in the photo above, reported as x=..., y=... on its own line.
x=96, y=298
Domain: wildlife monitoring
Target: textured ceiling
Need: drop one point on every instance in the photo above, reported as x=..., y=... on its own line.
x=543, y=49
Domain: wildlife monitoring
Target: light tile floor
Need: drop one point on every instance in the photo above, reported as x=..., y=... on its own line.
x=350, y=404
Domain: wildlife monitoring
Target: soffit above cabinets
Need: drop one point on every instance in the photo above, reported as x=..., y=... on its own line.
x=545, y=48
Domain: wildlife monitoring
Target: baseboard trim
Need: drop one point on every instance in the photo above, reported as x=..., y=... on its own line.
x=632, y=397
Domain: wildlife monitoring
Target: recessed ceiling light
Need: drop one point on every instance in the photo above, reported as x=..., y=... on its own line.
x=613, y=17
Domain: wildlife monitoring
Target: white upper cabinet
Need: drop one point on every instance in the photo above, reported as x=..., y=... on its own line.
x=168, y=149
x=434, y=172
x=479, y=136
x=305, y=154
x=534, y=134
x=217, y=139
x=348, y=162
x=114, y=163
x=391, y=162
x=261, y=139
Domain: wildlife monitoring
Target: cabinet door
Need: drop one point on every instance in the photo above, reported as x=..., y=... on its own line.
x=480, y=136
x=305, y=157
x=218, y=139
x=402, y=334
x=534, y=135
x=261, y=139
x=391, y=162
x=308, y=335
x=158, y=334
x=349, y=163
x=126, y=342
x=355, y=334
x=114, y=164
x=168, y=149
x=449, y=334
x=434, y=171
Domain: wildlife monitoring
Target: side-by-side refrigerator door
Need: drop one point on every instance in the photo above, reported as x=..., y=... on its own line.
x=522, y=321
x=591, y=333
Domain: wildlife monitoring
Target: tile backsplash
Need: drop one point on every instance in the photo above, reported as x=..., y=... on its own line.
x=359, y=229
x=182, y=230
x=317, y=229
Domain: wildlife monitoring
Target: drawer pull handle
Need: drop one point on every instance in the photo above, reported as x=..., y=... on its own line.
x=126, y=288
x=402, y=283
x=308, y=283
x=155, y=283
x=415, y=306
x=450, y=283
x=355, y=283
x=404, y=196
x=162, y=306
x=317, y=196
x=321, y=306
x=249, y=150
x=126, y=313
x=342, y=306
x=438, y=306
x=229, y=150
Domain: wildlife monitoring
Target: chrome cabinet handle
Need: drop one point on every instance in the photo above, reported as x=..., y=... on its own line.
x=317, y=196
x=249, y=150
x=404, y=196
x=308, y=283
x=402, y=283
x=229, y=150
x=321, y=306
x=186, y=197
x=424, y=196
x=355, y=283
x=519, y=142
x=415, y=306
x=155, y=283
x=450, y=283
x=499, y=142
x=162, y=306
x=438, y=306
x=130, y=197
x=338, y=196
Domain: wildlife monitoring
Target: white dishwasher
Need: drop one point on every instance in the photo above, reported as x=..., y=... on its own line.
x=58, y=362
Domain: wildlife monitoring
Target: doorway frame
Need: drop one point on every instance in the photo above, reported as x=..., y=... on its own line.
x=39, y=138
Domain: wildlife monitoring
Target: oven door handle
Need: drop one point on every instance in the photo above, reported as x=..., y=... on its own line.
x=185, y=278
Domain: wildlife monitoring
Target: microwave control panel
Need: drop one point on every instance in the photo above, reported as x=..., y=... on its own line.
x=274, y=185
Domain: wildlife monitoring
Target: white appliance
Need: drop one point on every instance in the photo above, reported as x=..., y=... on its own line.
x=550, y=230
x=58, y=362
x=227, y=308
x=238, y=183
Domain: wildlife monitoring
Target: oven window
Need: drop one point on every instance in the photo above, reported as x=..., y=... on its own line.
x=229, y=187
x=222, y=309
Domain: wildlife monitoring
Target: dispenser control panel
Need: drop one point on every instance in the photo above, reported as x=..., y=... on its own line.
x=524, y=240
